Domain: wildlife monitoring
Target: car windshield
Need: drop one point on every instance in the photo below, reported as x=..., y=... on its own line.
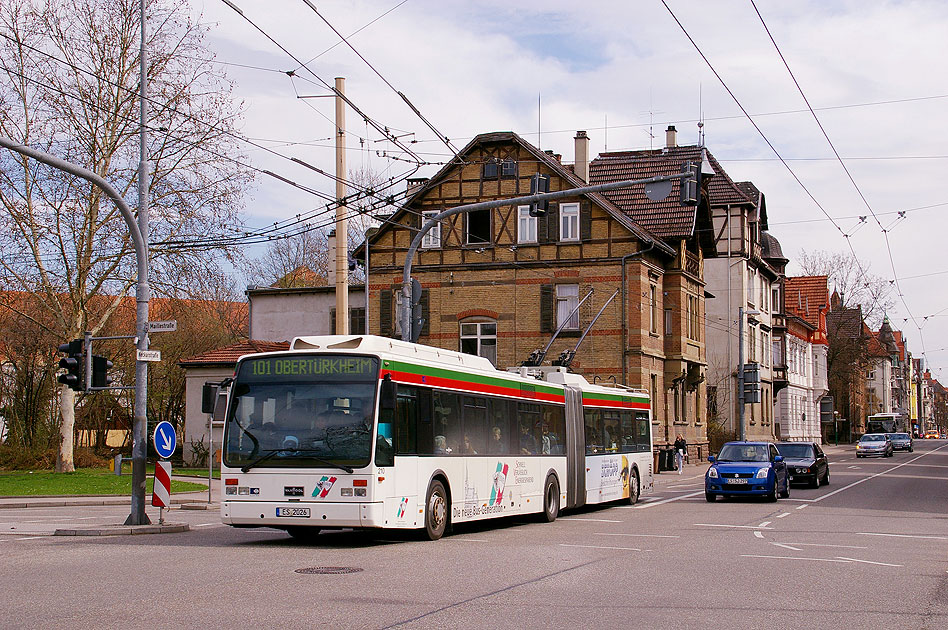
x=872, y=438
x=744, y=453
x=796, y=451
x=900, y=436
x=301, y=411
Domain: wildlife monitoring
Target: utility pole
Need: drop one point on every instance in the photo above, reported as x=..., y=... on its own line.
x=140, y=424
x=342, y=228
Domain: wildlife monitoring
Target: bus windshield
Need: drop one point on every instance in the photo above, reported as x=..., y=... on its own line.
x=301, y=411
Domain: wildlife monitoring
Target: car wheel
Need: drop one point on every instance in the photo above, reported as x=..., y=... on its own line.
x=786, y=490
x=710, y=497
x=816, y=480
x=826, y=477
x=772, y=495
x=634, y=488
x=911, y=449
x=436, y=511
x=303, y=534
x=551, y=499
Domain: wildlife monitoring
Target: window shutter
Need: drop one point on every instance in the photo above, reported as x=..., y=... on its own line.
x=552, y=224
x=332, y=321
x=426, y=329
x=385, y=312
x=585, y=221
x=542, y=228
x=414, y=220
x=546, y=308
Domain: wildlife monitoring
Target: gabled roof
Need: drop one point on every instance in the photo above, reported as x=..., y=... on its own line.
x=804, y=296
x=551, y=163
x=228, y=356
x=666, y=218
x=753, y=193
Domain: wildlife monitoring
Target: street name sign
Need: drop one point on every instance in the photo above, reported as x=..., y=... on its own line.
x=165, y=439
x=148, y=355
x=168, y=326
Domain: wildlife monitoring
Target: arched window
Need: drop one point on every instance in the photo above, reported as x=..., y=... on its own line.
x=479, y=337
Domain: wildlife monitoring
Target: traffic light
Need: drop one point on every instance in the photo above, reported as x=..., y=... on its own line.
x=539, y=184
x=689, y=185
x=751, y=392
x=100, y=371
x=74, y=364
x=417, y=321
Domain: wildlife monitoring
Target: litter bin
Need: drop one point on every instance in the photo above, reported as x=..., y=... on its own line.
x=667, y=459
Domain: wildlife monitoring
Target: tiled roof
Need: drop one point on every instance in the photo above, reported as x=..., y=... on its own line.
x=666, y=218
x=230, y=354
x=846, y=323
x=804, y=296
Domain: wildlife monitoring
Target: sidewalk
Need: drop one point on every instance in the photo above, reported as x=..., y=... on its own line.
x=182, y=499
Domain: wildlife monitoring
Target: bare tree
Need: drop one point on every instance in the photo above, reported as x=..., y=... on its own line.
x=69, y=75
x=851, y=281
x=294, y=261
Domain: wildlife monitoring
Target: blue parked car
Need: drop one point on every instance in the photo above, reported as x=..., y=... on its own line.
x=747, y=468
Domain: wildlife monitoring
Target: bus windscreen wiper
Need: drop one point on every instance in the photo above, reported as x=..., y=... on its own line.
x=274, y=452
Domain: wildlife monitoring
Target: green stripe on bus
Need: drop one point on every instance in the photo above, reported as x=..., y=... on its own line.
x=468, y=377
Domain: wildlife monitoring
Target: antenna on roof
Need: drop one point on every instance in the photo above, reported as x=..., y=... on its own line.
x=538, y=120
x=700, y=119
x=605, y=127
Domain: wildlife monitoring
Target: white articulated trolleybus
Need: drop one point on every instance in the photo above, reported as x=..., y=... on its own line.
x=371, y=432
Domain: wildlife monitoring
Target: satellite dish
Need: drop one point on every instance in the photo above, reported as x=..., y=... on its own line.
x=656, y=191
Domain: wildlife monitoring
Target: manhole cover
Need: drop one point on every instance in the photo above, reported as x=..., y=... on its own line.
x=328, y=570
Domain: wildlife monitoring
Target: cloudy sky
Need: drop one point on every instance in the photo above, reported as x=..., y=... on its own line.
x=873, y=72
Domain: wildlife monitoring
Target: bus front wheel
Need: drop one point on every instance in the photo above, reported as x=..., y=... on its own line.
x=436, y=511
x=551, y=499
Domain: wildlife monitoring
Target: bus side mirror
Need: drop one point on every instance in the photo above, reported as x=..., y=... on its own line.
x=387, y=394
x=208, y=398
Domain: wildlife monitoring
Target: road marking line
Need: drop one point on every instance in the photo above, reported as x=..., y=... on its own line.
x=469, y=539
x=785, y=546
x=881, y=564
x=637, y=535
x=764, y=524
x=865, y=479
x=800, y=507
x=856, y=467
x=605, y=548
x=591, y=520
x=747, y=555
x=208, y=524
x=30, y=538
x=902, y=536
x=821, y=545
x=784, y=514
x=758, y=534
x=654, y=503
x=733, y=526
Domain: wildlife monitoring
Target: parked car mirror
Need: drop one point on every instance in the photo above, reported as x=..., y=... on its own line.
x=711, y=458
x=778, y=459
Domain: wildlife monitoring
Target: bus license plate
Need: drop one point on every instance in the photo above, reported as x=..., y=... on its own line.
x=737, y=480
x=293, y=512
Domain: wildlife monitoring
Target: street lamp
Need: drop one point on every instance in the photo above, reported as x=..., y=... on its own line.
x=740, y=365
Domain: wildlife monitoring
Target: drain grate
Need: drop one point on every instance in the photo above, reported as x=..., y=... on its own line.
x=328, y=570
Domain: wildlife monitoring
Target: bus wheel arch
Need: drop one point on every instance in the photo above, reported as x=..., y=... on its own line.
x=437, y=511
x=551, y=497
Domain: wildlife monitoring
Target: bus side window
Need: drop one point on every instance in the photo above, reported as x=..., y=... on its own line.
x=446, y=423
x=593, y=423
x=406, y=420
x=642, y=436
x=424, y=426
x=475, y=426
x=629, y=443
x=554, y=430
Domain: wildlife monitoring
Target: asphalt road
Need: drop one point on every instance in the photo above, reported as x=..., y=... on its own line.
x=869, y=550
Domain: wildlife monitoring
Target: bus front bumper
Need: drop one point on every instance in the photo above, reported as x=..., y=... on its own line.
x=270, y=514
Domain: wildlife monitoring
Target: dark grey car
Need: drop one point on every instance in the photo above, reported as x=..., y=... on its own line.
x=806, y=463
x=901, y=442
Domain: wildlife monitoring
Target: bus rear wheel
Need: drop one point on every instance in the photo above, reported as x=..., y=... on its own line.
x=436, y=510
x=551, y=499
x=634, y=489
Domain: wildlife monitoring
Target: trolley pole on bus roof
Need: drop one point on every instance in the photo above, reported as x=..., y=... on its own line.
x=654, y=191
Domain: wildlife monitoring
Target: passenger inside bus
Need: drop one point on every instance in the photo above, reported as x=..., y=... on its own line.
x=528, y=443
x=496, y=442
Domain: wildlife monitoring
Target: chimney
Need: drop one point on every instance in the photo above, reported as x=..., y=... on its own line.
x=671, y=137
x=581, y=162
x=415, y=183
x=556, y=156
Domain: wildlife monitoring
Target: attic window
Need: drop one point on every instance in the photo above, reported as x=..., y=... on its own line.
x=500, y=168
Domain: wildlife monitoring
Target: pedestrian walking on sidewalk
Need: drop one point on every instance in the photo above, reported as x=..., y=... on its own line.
x=681, y=447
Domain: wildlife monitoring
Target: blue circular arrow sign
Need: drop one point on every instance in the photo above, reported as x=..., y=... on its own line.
x=164, y=439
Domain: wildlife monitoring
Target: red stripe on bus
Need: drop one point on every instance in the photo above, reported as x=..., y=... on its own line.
x=593, y=402
x=435, y=381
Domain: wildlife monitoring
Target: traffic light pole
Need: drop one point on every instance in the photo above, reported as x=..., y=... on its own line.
x=142, y=291
x=740, y=372
x=405, y=315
